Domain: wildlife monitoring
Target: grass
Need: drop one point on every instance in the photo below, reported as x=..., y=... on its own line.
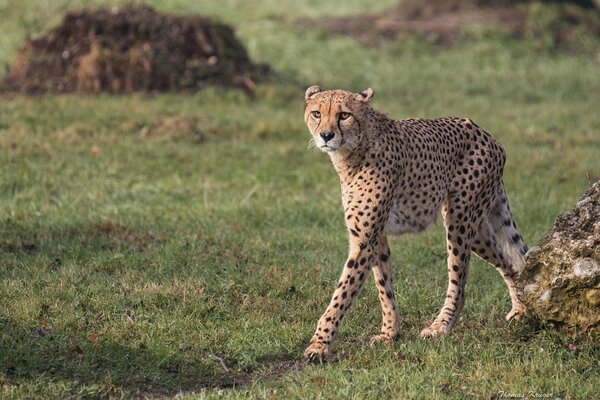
x=131, y=263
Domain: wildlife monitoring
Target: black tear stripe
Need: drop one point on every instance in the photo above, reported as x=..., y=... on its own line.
x=341, y=131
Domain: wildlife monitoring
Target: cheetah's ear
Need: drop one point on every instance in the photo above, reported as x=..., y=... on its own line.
x=311, y=91
x=365, y=95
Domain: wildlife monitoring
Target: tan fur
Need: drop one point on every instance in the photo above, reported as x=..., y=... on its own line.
x=396, y=177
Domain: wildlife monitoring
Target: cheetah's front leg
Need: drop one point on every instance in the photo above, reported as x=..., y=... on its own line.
x=352, y=279
x=382, y=273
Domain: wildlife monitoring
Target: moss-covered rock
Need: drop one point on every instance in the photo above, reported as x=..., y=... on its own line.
x=561, y=281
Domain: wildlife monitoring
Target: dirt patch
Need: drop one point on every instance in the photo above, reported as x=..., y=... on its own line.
x=280, y=369
x=18, y=246
x=440, y=28
x=441, y=22
x=107, y=235
x=113, y=236
x=131, y=49
x=167, y=129
x=277, y=370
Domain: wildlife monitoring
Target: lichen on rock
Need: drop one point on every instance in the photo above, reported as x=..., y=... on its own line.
x=561, y=281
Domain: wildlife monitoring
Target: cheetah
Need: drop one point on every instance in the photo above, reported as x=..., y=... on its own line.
x=396, y=177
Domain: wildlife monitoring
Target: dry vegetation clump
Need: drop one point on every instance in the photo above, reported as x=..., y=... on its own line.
x=130, y=49
x=167, y=129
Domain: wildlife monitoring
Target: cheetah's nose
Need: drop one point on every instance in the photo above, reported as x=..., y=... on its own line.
x=327, y=136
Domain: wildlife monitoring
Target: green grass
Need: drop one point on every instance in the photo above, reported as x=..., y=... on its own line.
x=127, y=269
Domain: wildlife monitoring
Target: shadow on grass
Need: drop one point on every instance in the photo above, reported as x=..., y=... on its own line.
x=28, y=355
x=105, y=235
x=35, y=357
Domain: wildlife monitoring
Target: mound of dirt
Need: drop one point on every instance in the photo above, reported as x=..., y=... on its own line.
x=441, y=21
x=131, y=49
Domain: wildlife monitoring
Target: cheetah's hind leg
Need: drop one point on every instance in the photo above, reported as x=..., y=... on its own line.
x=499, y=243
x=459, y=249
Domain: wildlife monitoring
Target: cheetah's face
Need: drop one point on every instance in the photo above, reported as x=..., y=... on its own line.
x=333, y=117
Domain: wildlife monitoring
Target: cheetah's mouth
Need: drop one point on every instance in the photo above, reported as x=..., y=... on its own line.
x=327, y=147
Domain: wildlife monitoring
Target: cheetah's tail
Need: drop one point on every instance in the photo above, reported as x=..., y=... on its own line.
x=508, y=237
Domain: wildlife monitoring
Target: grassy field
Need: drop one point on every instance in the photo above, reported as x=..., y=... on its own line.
x=139, y=262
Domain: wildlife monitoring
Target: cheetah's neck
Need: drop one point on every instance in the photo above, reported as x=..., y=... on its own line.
x=349, y=163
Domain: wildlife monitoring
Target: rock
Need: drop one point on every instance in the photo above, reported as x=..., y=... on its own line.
x=561, y=281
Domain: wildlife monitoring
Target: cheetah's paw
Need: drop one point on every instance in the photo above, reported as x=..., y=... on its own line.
x=317, y=352
x=385, y=338
x=516, y=313
x=434, y=330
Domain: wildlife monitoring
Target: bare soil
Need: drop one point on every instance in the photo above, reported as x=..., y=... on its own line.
x=441, y=22
x=275, y=371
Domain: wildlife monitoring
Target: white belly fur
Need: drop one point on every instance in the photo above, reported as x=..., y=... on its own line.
x=406, y=221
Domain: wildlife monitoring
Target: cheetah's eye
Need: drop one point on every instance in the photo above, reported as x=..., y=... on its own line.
x=316, y=114
x=344, y=115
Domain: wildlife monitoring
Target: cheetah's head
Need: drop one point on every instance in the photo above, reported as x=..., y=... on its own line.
x=334, y=117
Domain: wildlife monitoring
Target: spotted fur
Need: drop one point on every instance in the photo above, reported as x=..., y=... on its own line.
x=396, y=177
